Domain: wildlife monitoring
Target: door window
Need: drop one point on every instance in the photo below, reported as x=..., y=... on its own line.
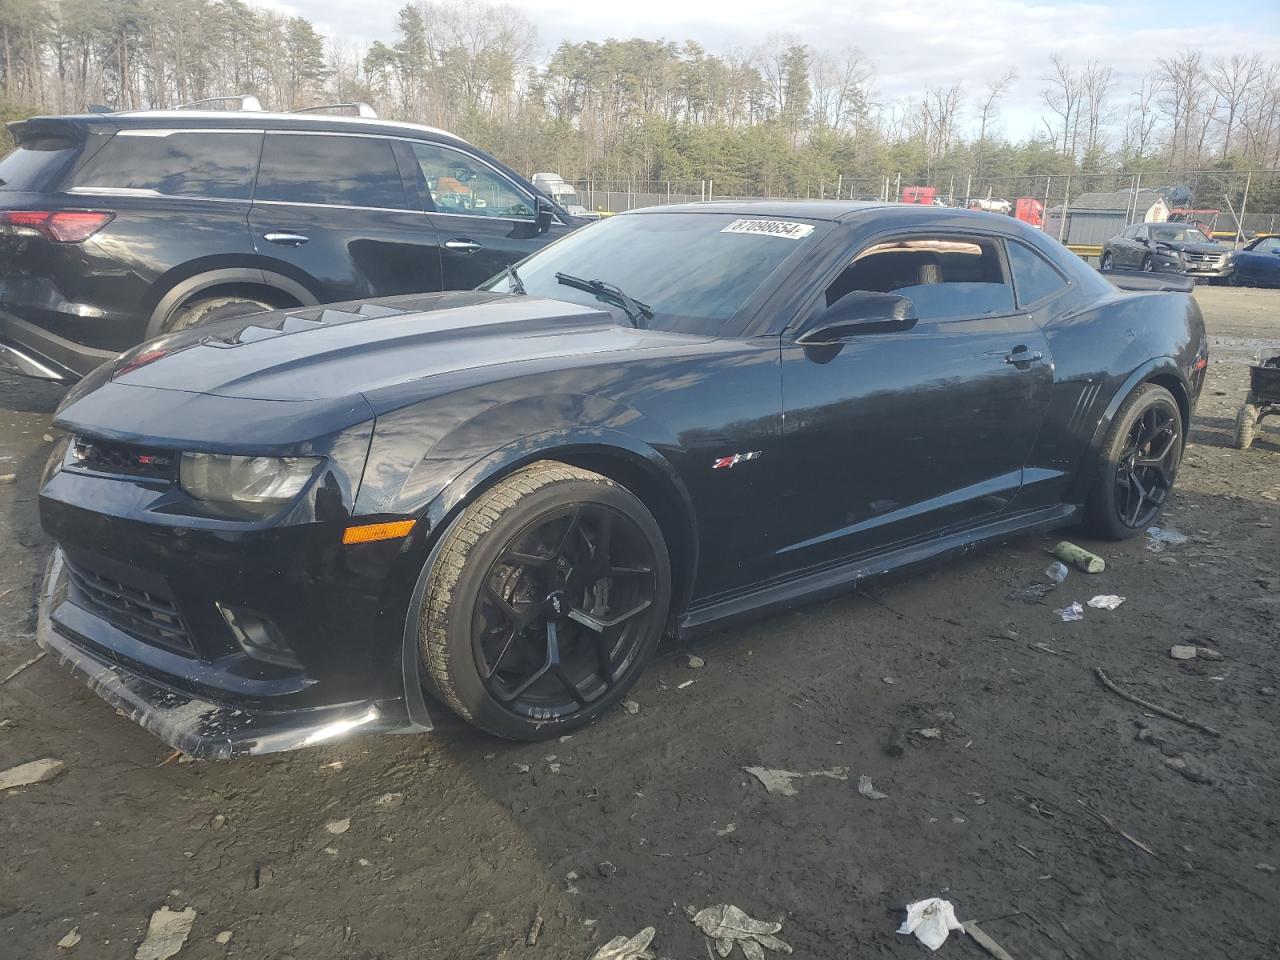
x=1140, y=233
x=1267, y=245
x=462, y=184
x=205, y=164
x=946, y=278
x=331, y=170
x=1033, y=277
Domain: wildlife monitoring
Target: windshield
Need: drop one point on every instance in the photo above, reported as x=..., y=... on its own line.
x=1179, y=235
x=695, y=271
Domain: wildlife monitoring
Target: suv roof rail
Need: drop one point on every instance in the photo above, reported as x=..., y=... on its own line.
x=359, y=107
x=247, y=101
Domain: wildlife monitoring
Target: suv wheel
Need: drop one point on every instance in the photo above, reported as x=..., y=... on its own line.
x=213, y=308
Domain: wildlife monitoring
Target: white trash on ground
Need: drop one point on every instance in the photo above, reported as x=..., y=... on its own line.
x=1106, y=601
x=1056, y=571
x=166, y=933
x=781, y=782
x=628, y=948
x=868, y=790
x=931, y=921
x=24, y=775
x=729, y=926
x=1073, y=612
x=1158, y=538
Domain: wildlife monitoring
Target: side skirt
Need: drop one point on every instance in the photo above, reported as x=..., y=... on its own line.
x=830, y=581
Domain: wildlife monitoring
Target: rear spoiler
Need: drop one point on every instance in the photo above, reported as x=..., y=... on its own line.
x=1157, y=282
x=20, y=130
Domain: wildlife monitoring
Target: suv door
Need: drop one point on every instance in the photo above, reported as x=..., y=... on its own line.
x=331, y=211
x=1136, y=248
x=894, y=436
x=484, y=219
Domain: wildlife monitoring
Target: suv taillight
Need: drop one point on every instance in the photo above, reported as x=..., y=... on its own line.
x=60, y=226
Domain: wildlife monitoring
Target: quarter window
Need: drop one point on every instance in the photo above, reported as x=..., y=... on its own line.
x=203, y=164
x=946, y=278
x=333, y=170
x=462, y=184
x=1033, y=277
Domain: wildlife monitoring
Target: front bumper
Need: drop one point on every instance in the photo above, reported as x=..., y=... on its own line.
x=1209, y=271
x=204, y=728
x=31, y=351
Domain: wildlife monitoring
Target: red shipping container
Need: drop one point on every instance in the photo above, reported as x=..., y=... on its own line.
x=1029, y=210
x=923, y=195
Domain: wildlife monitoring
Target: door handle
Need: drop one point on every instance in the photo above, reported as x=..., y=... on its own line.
x=1023, y=355
x=285, y=239
x=462, y=245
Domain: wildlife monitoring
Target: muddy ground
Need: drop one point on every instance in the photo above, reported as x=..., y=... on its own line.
x=1039, y=808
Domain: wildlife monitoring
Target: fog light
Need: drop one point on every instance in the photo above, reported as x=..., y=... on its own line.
x=258, y=637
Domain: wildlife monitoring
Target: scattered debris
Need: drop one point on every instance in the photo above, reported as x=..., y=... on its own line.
x=631, y=707
x=1106, y=601
x=1154, y=708
x=1033, y=593
x=1071, y=613
x=696, y=663
x=1128, y=836
x=781, y=781
x=1188, y=769
x=728, y=926
x=8, y=477
x=262, y=875
x=1182, y=651
x=535, y=930
x=26, y=774
x=22, y=666
x=70, y=940
x=727, y=829
x=166, y=934
x=1079, y=557
x=931, y=921
x=224, y=937
x=1264, y=867
x=889, y=680
x=1205, y=653
x=519, y=768
x=681, y=686
x=1056, y=572
x=624, y=948
x=338, y=827
x=606, y=868
x=1158, y=538
x=928, y=733
x=389, y=800
x=868, y=790
x=980, y=937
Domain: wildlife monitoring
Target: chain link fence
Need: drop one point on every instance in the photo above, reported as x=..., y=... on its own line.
x=1082, y=210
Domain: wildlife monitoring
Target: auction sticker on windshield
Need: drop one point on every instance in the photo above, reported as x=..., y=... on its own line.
x=771, y=228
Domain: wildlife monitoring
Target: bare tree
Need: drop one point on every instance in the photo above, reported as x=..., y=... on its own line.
x=1062, y=97
x=1096, y=83
x=840, y=88
x=1233, y=80
x=996, y=89
x=1183, y=93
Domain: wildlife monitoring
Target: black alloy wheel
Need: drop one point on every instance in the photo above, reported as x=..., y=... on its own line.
x=1147, y=265
x=564, y=611
x=549, y=594
x=1139, y=464
x=1107, y=260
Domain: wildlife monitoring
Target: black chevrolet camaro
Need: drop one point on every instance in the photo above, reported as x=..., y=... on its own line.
x=277, y=530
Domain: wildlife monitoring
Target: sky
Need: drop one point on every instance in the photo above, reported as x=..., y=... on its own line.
x=911, y=45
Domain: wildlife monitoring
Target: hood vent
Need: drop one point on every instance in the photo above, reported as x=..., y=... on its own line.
x=303, y=320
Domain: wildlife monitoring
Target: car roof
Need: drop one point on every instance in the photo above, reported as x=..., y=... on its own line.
x=833, y=210
x=253, y=119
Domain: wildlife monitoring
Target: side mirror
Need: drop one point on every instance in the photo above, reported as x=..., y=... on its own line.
x=546, y=215
x=857, y=313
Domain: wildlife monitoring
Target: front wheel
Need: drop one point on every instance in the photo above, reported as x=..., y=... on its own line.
x=1147, y=265
x=1107, y=261
x=209, y=309
x=1139, y=464
x=550, y=593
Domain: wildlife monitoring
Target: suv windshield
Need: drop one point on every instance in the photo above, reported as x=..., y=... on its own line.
x=1178, y=235
x=695, y=271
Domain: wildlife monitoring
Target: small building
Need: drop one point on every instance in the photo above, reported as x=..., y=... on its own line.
x=1093, y=218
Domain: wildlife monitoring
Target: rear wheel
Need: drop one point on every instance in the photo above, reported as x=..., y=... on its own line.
x=1147, y=265
x=1139, y=464
x=208, y=309
x=549, y=595
x=1246, y=424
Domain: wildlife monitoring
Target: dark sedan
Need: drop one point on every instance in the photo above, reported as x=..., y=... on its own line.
x=1167, y=248
x=278, y=530
x=1258, y=264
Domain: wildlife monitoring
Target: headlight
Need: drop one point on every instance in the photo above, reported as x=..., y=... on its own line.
x=229, y=479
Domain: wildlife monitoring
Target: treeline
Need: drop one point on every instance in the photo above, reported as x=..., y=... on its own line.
x=769, y=119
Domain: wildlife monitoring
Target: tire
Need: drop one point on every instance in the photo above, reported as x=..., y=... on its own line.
x=1114, y=509
x=213, y=308
x=1147, y=266
x=1107, y=261
x=494, y=571
x=1246, y=424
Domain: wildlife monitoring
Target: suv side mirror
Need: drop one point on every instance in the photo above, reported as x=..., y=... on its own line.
x=546, y=215
x=857, y=313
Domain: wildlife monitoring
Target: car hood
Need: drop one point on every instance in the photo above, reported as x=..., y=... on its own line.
x=1192, y=246
x=342, y=350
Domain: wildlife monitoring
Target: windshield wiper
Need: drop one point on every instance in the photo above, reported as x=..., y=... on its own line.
x=636, y=311
x=514, y=283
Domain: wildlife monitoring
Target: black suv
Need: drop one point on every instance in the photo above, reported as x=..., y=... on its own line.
x=117, y=227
